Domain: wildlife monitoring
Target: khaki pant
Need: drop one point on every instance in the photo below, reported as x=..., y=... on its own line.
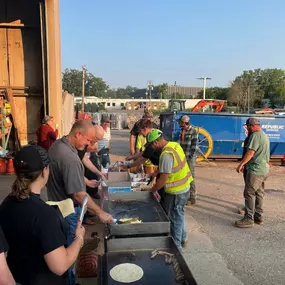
x=253, y=195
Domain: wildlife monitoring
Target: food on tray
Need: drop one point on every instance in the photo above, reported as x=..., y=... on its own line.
x=126, y=273
x=130, y=221
x=122, y=201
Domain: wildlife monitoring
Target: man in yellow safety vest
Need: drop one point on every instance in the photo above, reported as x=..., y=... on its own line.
x=175, y=177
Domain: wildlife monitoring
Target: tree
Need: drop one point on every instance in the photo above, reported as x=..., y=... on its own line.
x=245, y=90
x=72, y=82
x=162, y=90
x=249, y=88
x=218, y=93
x=91, y=107
x=125, y=92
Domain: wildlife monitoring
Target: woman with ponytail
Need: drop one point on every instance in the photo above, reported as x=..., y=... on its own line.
x=34, y=230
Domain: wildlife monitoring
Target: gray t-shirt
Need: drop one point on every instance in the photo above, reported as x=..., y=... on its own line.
x=259, y=142
x=166, y=165
x=66, y=171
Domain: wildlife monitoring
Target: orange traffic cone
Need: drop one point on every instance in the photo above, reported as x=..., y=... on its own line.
x=3, y=165
x=10, y=166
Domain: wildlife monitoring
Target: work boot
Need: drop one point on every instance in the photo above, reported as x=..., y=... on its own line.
x=192, y=201
x=184, y=243
x=241, y=211
x=244, y=223
x=258, y=220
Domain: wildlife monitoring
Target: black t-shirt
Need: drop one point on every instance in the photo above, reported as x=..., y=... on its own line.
x=3, y=242
x=136, y=130
x=81, y=153
x=32, y=229
x=151, y=154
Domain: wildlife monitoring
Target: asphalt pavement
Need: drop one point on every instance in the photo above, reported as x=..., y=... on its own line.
x=217, y=252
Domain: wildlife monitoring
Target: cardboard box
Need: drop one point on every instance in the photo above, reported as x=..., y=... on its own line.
x=119, y=182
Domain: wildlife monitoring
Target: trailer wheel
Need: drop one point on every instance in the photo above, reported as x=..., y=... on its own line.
x=205, y=144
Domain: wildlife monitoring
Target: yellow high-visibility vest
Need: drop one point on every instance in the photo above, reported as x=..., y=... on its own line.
x=141, y=142
x=181, y=176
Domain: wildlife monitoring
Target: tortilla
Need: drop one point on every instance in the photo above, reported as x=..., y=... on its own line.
x=126, y=273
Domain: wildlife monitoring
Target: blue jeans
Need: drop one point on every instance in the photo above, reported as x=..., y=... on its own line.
x=72, y=221
x=174, y=206
x=193, y=191
x=105, y=159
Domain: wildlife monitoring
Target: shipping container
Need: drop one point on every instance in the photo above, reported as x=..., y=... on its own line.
x=226, y=132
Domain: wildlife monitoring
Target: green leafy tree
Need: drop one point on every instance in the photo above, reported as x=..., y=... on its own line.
x=218, y=93
x=249, y=88
x=162, y=90
x=72, y=82
x=125, y=92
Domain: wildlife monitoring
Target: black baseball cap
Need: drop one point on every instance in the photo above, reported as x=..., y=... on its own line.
x=252, y=121
x=30, y=159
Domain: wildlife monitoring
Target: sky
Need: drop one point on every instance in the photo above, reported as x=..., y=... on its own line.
x=129, y=42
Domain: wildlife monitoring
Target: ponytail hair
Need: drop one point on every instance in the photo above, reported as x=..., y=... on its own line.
x=21, y=186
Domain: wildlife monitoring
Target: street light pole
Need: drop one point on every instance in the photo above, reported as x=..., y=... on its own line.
x=83, y=87
x=204, y=85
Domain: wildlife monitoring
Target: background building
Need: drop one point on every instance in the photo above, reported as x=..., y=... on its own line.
x=132, y=104
x=182, y=92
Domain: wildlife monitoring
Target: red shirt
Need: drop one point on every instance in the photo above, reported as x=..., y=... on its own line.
x=46, y=136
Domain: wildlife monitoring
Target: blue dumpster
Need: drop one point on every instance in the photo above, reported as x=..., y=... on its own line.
x=228, y=131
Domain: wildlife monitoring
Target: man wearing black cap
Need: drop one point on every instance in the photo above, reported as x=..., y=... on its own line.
x=244, y=151
x=256, y=161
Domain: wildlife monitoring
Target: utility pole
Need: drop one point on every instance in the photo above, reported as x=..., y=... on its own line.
x=150, y=88
x=148, y=92
x=204, y=85
x=248, y=97
x=175, y=89
x=83, y=87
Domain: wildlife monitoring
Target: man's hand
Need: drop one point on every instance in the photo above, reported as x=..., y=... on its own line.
x=124, y=167
x=92, y=183
x=153, y=174
x=240, y=168
x=102, y=175
x=145, y=189
x=105, y=217
x=130, y=157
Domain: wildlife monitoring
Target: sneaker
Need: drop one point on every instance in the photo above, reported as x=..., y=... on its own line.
x=241, y=211
x=184, y=243
x=244, y=223
x=258, y=221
